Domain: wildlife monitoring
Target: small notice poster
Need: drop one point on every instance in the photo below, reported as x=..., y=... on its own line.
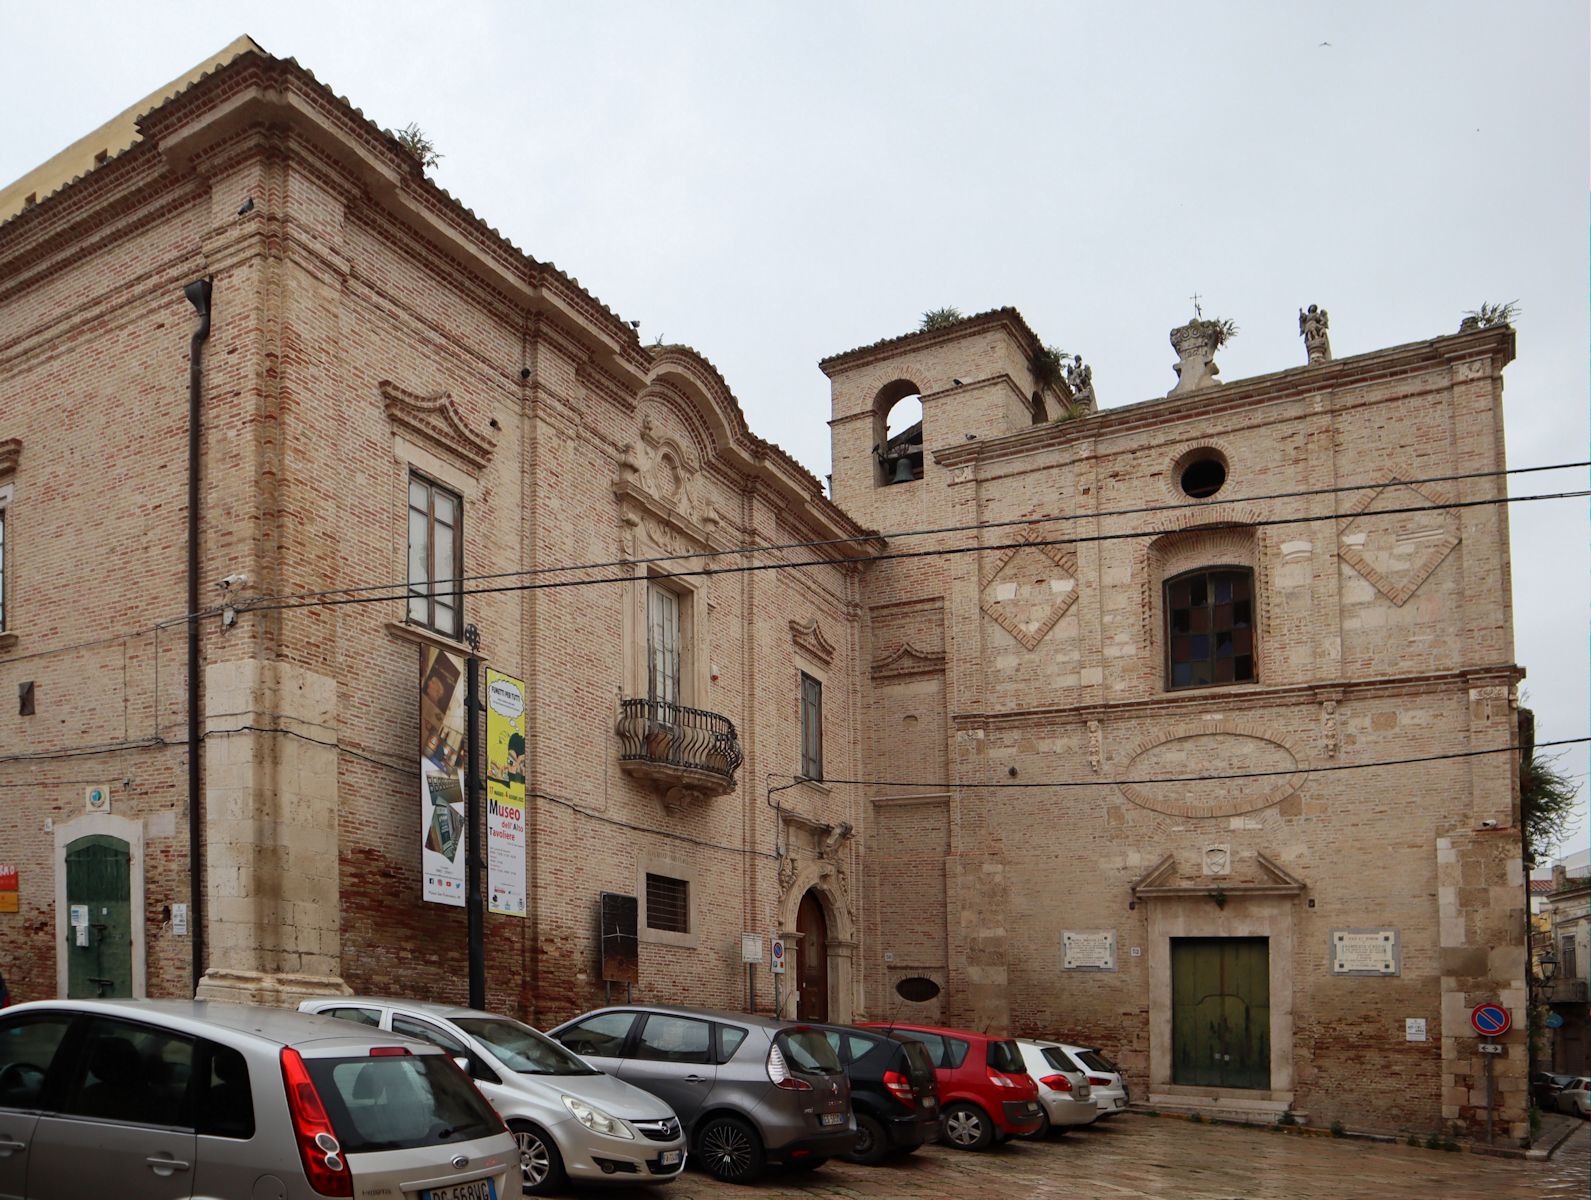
x=1364, y=952
x=1088, y=950
x=505, y=794
x=1414, y=1029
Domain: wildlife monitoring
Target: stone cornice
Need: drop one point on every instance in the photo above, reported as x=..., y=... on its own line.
x=1246, y=698
x=435, y=421
x=918, y=339
x=1494, y=345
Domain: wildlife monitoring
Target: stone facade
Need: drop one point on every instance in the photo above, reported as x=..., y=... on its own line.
x=367, y=330
x=1041, y=656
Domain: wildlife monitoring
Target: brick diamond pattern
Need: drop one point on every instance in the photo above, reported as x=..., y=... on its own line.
x=1031, y=589
x=1398, y=552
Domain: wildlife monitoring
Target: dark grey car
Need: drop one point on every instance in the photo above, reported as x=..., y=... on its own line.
x=749, y=1090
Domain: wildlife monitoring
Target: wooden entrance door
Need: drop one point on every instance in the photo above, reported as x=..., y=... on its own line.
x=812, y=960
x=98, y=885
x=1221, y=1012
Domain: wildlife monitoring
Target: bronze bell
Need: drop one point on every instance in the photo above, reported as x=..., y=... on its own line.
x=903, y=470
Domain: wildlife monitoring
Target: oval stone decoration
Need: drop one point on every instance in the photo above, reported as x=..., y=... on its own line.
x=1268, y=767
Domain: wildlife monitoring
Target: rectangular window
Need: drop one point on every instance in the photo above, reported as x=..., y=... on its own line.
x=436, y=542
x=1210, y=628
x=1568, y=968
x=668, y=904
x=811, y=727
x=662, y=645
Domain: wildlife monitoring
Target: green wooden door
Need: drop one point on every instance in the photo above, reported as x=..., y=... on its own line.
x=1221, y=1012
x=98, y=880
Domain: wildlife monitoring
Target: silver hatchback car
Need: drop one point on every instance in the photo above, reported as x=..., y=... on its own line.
x=572, y=1122
x=168, y=1099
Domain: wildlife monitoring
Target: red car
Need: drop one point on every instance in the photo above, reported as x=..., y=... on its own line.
x=985, y=1093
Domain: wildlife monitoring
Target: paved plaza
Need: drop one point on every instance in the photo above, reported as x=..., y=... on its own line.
x=1136, y=1156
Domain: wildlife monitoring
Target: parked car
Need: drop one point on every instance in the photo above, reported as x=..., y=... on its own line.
x=892, y=1090
x=161, y=1099
x=1065, y=1094
x=1109, y=1084
x=749, y=1090
x=985, y=1091
x=569, y=1119
x=1575, y=1098
x=1544, y=1089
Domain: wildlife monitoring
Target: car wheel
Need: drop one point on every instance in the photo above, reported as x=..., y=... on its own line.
x=967, y=1127
x=730, y=1150
x=540, y=1165
x=1043, y=1131
x=871, y=1143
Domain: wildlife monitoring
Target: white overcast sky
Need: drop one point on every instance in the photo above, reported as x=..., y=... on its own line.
x=775, y=183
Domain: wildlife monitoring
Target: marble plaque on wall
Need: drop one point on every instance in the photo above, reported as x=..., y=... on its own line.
x=1365, y=952
x=1088, y=949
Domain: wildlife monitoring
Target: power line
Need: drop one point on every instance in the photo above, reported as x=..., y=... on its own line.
x=260, y=603
x=1102, y=782
x=339, y=598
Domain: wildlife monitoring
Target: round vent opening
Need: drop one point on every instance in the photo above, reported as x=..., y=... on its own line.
x=1203, y=474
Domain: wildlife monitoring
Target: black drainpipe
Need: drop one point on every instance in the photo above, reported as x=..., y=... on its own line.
x=198, y=293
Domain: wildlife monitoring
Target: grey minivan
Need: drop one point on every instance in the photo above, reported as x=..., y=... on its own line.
x=749, y=1090
x=184, y=1100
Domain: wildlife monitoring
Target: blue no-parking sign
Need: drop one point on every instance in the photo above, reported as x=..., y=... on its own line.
x=1490, y=1020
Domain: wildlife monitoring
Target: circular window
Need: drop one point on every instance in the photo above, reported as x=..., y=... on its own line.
x=1203, y=474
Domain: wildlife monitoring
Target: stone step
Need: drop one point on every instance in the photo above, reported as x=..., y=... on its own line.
x=1244, y=1111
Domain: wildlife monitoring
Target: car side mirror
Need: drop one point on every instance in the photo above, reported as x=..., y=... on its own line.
x=463, y=1064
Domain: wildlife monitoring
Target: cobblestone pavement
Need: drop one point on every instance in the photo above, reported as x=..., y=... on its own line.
x=1135, y=1156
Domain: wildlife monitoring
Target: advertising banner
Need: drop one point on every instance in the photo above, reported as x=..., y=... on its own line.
x=505, y=794
x=443, y=832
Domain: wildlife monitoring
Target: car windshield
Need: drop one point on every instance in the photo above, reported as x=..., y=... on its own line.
x=1095, y=1061
x=1004, y=1056
x=809, y=1050
x=521, y=1048
x=398, y=1101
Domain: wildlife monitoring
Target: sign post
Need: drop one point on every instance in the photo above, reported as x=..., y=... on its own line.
x=1490, y=1020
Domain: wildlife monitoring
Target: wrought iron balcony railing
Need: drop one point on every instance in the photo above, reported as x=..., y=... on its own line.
x=689, y=753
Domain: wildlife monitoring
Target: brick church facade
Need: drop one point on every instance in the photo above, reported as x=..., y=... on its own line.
x=937, y=765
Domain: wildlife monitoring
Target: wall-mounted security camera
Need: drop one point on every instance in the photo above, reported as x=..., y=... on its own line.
x=232, y=581
x=1488, y=824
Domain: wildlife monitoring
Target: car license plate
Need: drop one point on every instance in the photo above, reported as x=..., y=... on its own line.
x=669, y=1158
x=1033, y=1108
x=929, y=1102
x=832, y=1119
x=479, y=1189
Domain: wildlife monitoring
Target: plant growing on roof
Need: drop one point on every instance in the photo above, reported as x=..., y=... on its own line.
x=1489, y=314
x=1219, y=330
x=1048, y=366
x=939, y=318
x=1546, y=804
x=412, y=138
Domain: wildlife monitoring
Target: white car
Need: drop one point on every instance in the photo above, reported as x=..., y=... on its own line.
x=1065, y=1094
x=1575, y=1098
x=1111, y=1095
x=571, y=1121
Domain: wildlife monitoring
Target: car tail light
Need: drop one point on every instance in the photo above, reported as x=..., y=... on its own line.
x=387, y=1051
x=901, y=1088
x=779, y=1072
x=1099, y=1081
x=317, y=1141
x=999, y=1079
x=1057, y=1083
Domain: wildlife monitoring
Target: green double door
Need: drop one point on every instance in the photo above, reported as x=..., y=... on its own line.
x=1221, y=1012
x=99, y=961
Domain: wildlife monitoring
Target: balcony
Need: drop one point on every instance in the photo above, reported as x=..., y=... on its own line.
x=687, y=754
x=1563, y=991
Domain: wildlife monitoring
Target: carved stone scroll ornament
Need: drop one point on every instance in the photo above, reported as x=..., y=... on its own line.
x=1312, y=326
x=1096, y=753
x=1195, y=344
x=1328, y=727
x=789, y=868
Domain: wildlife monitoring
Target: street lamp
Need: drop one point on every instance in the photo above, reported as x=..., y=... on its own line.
x=1548, y=962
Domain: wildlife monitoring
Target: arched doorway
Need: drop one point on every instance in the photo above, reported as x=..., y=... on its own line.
x=812, y=960
x=99, y=949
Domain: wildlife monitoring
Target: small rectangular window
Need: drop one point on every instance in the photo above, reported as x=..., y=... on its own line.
x=668, y=904
x=811, y=727
x=436, y=556
x=662, y=645
x=1210, y=628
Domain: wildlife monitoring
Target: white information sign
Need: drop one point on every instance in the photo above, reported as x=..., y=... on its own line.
x=751, y=947
x=1414, y=1029
x=79, y=915
x=1088, y=949
x=1364, y=952
x=179, y=920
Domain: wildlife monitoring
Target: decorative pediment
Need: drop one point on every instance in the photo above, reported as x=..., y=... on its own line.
x=1259, y=875
x=906, y=659
x=809, y=639
x=435, y=421
x=661, y=477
